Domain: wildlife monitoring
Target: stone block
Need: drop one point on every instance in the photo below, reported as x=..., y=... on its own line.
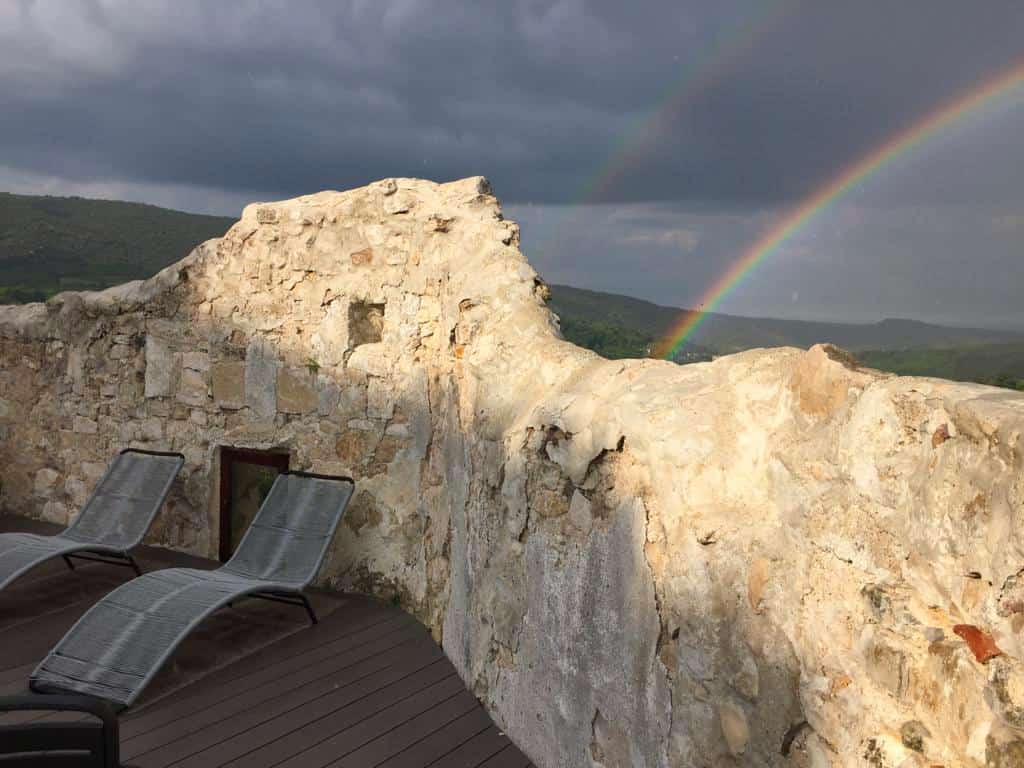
x=428, y=310
x=328, y=397
x=192, y=387
x=296, y=392
x=380, y=403
x=45, y=481
x=580, y=512
x=77, y=491
x=229, y=385
x=330, y=342
x=160, y=365
x=93, y=470
x=352, y=401
x=361, y=257
x=410, y=305
x=56, y=512
x=195, y=361
x=84, y=426
x=261, y=379
x=159, y=408
x=370, y=359
x=151, y=430
x=120, y=352
x=355, y=447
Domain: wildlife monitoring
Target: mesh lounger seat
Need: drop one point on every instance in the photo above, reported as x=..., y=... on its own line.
x=111, y=524
x=119, y=645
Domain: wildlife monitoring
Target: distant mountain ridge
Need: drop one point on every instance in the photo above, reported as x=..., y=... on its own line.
x=731, y=333
x=53, y=244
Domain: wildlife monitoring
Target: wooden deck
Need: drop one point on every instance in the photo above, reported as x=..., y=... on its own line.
x=257, y=686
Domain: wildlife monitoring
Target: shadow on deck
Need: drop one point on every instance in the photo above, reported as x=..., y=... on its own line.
x=257, y=686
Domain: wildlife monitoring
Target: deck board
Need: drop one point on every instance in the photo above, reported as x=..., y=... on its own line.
x=389, y=732
x=509, y=757
x=210, y=727
x=256, y=686
x=371, y=697
x=471, y=753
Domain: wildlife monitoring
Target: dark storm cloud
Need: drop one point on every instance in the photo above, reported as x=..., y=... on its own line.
x=284, y=98
x=678, y=132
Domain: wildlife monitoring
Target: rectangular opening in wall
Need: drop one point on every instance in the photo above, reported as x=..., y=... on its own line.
x=246, y=476
x=365, y=323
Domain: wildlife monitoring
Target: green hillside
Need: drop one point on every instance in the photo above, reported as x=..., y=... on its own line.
x=730, y=333
x=621, y=326
x=53, y=244
x=999, y=364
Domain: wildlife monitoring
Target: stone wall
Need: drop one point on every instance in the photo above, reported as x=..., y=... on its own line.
x=631, y=563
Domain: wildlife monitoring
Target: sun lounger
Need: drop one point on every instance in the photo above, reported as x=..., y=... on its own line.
x=111, y=524
x=117, y=647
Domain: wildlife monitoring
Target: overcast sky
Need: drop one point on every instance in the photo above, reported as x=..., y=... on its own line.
x=641, y=145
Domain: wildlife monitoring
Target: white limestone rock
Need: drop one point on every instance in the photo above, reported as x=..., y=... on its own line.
x=629, y=562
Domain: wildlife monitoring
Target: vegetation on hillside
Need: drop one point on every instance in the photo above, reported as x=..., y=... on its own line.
x=731, y=333
x=607, y=339
x=616, y=341
x=53, y=244
x=1001, y=365
x=620, y=326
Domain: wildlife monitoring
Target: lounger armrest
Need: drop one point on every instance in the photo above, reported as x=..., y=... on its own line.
x=144, y=452
x=319, y=476
x=61, y=703
x=53, y=734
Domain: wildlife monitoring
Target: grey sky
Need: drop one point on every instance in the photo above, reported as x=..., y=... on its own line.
x=641, y=145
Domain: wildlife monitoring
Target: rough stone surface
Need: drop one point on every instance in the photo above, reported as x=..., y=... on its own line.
x=631, y=563
x=45, y=481
x=159, y=367
x=229, y=385
x=296, y=391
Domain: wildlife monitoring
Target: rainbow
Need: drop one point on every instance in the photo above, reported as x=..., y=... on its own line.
x=645, y=132
x=793, y=223
x=644, y=135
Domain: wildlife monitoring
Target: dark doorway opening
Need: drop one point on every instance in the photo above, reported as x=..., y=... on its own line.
x=245, y=480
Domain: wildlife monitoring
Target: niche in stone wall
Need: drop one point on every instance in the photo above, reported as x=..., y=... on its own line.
x=365, y=323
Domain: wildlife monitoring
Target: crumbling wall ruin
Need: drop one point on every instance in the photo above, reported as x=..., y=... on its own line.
x=632, y=563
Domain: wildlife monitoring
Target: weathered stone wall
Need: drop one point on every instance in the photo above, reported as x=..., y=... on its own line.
x=632, y=563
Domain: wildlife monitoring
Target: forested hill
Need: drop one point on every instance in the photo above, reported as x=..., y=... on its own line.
x=53, y=244
x=730, y=333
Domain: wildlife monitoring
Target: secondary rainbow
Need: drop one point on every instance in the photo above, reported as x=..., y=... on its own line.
x=647, y=130
x=903, y=141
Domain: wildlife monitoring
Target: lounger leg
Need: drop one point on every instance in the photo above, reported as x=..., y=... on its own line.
x=288, y=598
x=131, y=561
x=309, y=609
x=68, y=561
